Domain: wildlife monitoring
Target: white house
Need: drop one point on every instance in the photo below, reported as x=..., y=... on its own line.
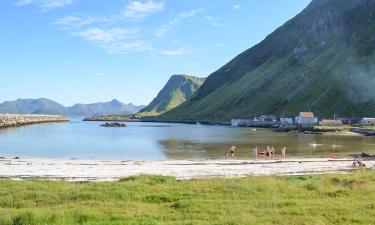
x=306, y=120
x=327, y=122
x=368, y=121
x=286, y=121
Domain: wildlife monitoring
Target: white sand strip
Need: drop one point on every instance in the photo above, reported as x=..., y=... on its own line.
x=110, y=170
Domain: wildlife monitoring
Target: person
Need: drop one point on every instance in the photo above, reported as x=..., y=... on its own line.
x=272, y=152
x=255, y=152
x=358, y=163
x=283, y=150
x=361, y=164
x=268, y=152
x=231, y=150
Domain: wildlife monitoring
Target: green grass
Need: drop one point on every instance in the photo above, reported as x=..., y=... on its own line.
x=340, y=128
x=320, y=199
x=343, y=128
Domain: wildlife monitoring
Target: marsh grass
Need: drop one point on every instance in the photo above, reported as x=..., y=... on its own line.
x=318, y=199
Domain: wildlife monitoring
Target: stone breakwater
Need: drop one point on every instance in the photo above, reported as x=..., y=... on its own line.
x=15, y=120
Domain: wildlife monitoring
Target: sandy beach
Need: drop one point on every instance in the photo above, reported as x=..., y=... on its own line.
x=112, y=170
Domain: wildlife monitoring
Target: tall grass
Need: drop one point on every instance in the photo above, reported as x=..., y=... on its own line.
x=320, y=199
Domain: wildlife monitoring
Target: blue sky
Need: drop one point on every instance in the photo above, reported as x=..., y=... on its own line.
x=94, y=50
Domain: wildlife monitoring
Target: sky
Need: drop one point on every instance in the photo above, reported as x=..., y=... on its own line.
x=85, y=51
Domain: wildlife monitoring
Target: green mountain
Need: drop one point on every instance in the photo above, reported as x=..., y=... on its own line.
x=32, y=106
x=177, y=90
x=46, y=106
x=103, y=108
x=323, y=59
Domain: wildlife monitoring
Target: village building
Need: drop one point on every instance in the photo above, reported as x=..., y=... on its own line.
x=368, y=122
x=286, y=121
x=306, y=120
x=327, y=122
x=268, y=118
x=349, y=120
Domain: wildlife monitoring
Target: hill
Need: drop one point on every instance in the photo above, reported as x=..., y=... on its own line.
x=46, y=106
x=322, y=59
x=177, y=90
x=33, y=106
x=104, y=108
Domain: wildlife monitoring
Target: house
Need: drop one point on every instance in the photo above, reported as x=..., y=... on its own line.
x=326, y=122
x=368, y=122
x=241, y=122
x=268, y=118
x=286, y=121
x=349, y=120
x=306, y=120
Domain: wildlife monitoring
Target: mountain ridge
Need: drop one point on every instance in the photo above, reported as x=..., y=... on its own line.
x=47, y=106
x=322, y=59
x=178, y=89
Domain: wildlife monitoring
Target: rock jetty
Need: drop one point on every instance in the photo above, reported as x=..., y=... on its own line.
x=113, y=125
x=15, y=120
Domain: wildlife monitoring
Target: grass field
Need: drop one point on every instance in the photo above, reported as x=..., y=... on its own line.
x=343, y=128
x=320, y=199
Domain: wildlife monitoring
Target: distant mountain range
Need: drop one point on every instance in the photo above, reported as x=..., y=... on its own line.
x=322, y=60
x=176, y=91
x=47, y=106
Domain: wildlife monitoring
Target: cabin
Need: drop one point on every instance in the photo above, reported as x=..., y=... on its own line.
x=241, y=122
x=368, y=122
x=268, y=118
x=349, y=121
x=306, y=120
x=286, y=121
x=327, y=122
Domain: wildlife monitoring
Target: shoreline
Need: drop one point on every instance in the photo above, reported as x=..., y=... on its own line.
x=112, y=170
x=18, y=120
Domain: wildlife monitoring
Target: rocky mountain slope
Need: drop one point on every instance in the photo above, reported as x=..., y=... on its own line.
x=323, y=59
x=176, y=91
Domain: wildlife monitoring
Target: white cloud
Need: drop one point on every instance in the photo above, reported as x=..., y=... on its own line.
x=124, y=47
x=164, y=29
x=174, y=52
x=45, y=4
x=213, y=21
x=115, y=40
x=236, y=7
x=98, y=35
x=138, y=9
x=74, y=22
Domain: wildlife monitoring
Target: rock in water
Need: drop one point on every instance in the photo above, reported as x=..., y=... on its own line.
x=113, y=125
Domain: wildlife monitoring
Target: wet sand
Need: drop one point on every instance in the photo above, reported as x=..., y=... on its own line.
x=112, y=170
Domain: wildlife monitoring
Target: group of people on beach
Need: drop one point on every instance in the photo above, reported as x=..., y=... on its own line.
x=358, y=163
x=269, y=152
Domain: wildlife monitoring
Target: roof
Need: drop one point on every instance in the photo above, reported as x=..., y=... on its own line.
x=369, y=119
x=307, y=114
x=331, y=121
x=348, y=118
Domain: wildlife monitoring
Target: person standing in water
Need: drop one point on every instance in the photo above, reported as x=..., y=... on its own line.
x=231, y=150
x=272, y=152
x=255, y=152
x=268, y=152
x=283, y=150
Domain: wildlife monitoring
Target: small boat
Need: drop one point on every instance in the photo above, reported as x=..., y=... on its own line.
x=197, y=123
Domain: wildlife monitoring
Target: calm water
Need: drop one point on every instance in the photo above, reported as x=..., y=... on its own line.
x=145, y=141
